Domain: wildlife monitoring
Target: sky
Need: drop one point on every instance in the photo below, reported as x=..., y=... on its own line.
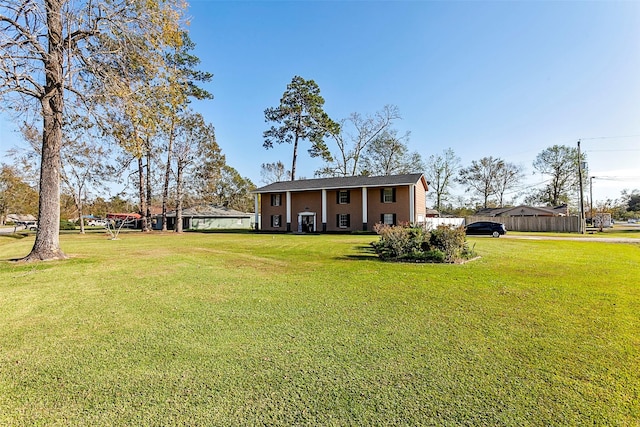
x=505, y=79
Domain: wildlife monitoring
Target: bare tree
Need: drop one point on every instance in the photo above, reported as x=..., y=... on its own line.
x=355, y=135
x=440, y=171
x=388, y=154
x=560, y=164
x=84, y=164
x=508, y=177
x=274, y=172
x=480, y=177
x=47, y=52
x=195, y=143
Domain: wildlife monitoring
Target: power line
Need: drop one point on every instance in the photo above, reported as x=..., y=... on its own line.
x=621, y=149
x=609, y=137
x=616, y=178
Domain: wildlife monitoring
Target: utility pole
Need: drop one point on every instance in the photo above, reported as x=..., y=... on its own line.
x=582, y=224
x=591, y=198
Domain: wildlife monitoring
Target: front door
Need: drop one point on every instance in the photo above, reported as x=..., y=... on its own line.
x=308, y=223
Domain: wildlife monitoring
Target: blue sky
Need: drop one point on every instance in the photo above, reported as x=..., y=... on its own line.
x=503, y=79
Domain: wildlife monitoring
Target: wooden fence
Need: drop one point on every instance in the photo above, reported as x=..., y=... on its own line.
x=559, y=224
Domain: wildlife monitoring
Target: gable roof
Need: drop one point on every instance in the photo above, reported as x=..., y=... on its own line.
x=342, y=183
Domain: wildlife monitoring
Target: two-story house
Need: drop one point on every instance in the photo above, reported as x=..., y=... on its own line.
x=341, y=204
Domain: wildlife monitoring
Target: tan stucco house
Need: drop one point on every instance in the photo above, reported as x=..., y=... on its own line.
x=341, y=204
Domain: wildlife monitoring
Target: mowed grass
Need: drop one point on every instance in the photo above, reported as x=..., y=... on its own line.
x=243, y=329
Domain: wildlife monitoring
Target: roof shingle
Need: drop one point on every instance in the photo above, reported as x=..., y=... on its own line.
x=340, y=182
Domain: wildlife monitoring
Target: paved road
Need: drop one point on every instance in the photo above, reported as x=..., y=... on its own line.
x=9, y=230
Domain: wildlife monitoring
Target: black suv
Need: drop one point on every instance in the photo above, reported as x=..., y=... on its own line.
x=487, y=228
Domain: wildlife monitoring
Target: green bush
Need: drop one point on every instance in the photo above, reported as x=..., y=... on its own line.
x=411, y=243
x=450, y=240
x=67, y=225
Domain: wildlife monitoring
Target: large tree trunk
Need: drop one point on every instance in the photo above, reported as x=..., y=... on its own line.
x=81, y=215
x=167, y=174
x=295, y=158
x=148, y=185
x=178, y=224
x=47, y=243
x=141, y=194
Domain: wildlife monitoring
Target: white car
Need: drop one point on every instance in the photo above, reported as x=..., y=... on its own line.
x=97, y=223
x=30, y=225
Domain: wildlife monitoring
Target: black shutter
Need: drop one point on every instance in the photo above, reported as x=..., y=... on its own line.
x=382, y=218
x=348, y=196
x=338, y=220
x=382, y=195
x=337, y=197
x=394, y=219
x=272, y=217
x=393, y=198
x=348, y=220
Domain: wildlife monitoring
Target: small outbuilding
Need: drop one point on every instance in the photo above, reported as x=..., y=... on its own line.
x=207, y=217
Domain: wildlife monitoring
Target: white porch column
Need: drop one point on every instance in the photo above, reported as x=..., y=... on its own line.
x=288, y=210
x=412, y=205
x=324, y=210
x=256, y=206
x=365, y=209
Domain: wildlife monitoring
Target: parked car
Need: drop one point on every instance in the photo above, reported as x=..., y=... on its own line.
x=486, y=228
x=30, y=225
x=97, y=223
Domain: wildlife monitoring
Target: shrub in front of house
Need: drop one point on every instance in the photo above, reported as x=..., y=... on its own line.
x=414, y=244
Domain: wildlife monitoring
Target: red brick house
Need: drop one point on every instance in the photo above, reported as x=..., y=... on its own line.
x=341, y=204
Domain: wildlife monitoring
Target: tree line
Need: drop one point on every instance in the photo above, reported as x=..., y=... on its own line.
x=103, y=91
x=370, y=145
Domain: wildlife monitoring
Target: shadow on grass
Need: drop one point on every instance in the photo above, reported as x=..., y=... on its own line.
x=17, y=235
x=365, y=253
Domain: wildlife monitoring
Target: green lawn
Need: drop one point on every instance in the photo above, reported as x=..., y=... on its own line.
x=243, y=329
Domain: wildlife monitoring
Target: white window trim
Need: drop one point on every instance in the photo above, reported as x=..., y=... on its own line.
x=344, y=218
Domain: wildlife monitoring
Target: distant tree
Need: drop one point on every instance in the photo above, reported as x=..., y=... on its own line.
x=355, y=135
x=480, y=177
x=300, y=117
x=560, y=164
x=16, y=195
x=233, y=191
x=508, y=177
x=47, y=53
x=388, y=154
x=98, y=207
x=195, y=145
x=633, y=204
x=209, y=160
x=84, y=162
x=274, y=172
x=180, y=86
x=117, y=204
x=441, y=170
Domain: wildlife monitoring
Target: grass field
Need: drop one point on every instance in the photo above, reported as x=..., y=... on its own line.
x=243, y=329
